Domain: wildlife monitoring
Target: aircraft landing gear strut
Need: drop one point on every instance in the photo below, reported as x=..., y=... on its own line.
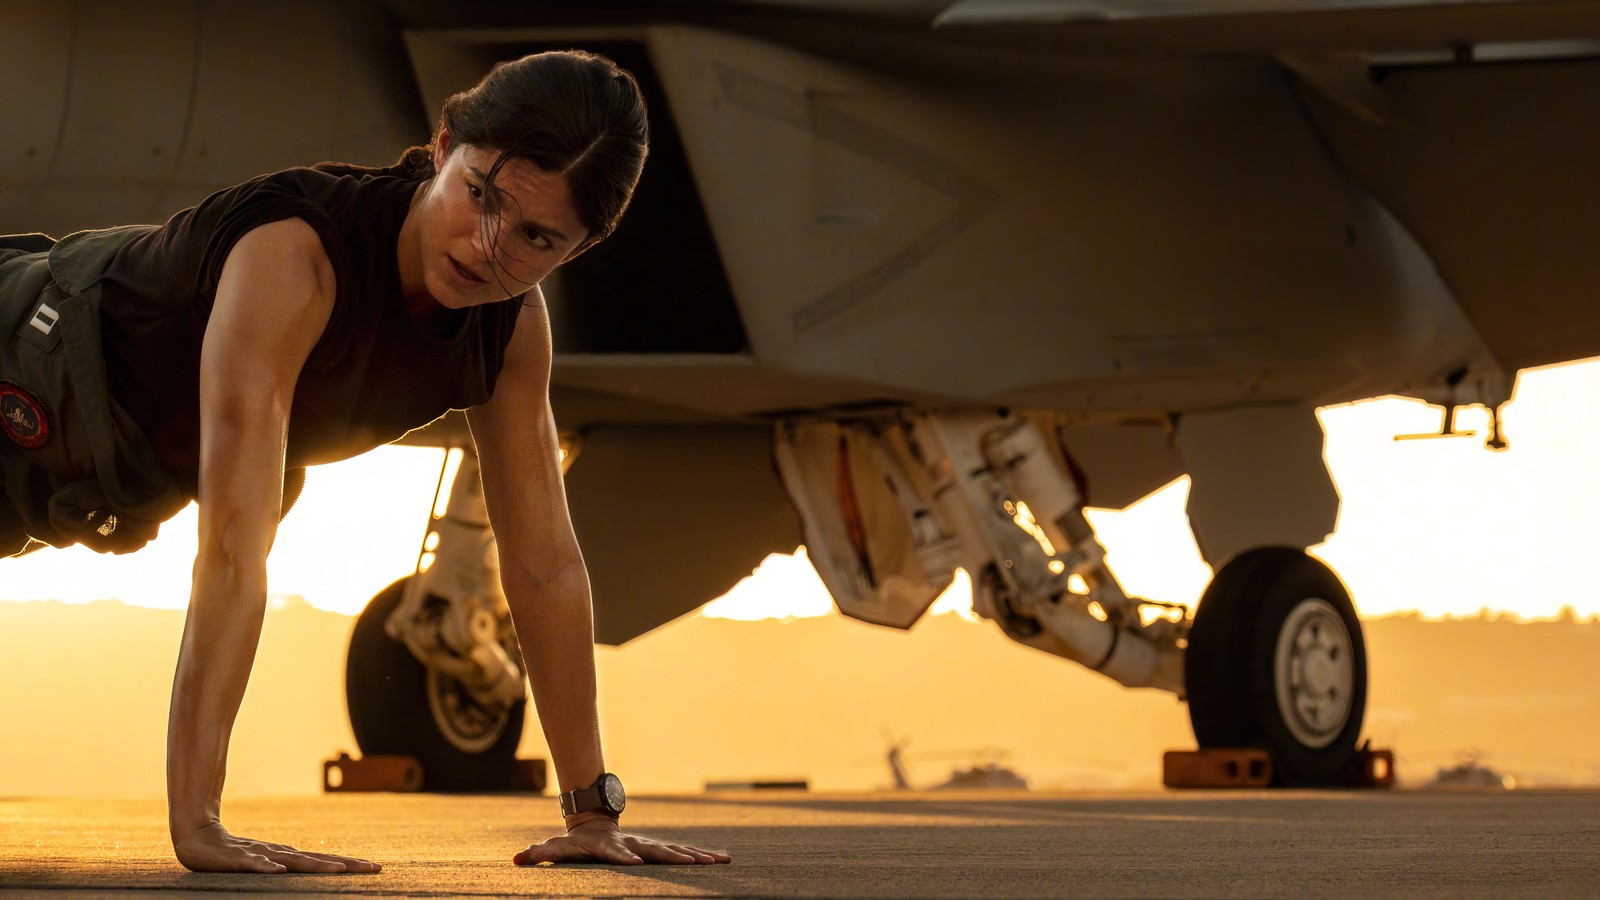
x=434, y=671
x=1274, y=659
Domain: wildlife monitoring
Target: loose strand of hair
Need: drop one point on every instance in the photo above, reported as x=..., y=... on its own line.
x=493, y=207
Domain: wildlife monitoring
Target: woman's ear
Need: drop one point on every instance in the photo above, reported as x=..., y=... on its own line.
x=441, y=148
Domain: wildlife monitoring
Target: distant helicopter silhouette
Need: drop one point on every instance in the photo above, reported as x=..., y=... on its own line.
x=1470, y=773
x=984, y=772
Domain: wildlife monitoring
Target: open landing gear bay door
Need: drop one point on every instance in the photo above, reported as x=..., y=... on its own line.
x=870, y=524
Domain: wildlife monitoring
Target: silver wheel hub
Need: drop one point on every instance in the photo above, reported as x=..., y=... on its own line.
x=1314, y=672
x=465, y=722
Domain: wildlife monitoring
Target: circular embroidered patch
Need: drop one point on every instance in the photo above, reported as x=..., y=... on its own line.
x=22, y=416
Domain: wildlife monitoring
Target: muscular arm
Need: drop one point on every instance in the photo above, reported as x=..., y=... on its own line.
x=273, y=301
x=547, y=587
x=541, y=567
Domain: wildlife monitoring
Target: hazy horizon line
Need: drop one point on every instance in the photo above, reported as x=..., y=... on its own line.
x=1568, y=615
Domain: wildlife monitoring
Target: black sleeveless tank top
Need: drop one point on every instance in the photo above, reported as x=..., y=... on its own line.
x=372, y=376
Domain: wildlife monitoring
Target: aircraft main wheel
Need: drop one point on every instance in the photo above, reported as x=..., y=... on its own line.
x=400, y=706
x=1276, y=660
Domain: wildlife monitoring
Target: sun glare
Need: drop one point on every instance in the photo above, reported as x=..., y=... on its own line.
x=784, y=586
x=956, y=599
x=1149, y=546
x=357, y=526
x=1445, y=527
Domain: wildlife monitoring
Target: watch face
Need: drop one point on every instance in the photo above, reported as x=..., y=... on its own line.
x=611, y=793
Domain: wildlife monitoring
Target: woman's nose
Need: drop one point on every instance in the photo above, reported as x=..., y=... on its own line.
x=481, y=237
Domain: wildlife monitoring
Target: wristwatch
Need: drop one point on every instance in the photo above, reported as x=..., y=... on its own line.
x=606, y=793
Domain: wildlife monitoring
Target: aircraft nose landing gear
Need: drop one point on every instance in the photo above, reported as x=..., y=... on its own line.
x=401, y=707
x=1276, y=660
x=434, y=670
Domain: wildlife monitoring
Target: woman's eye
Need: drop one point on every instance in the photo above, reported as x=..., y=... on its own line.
x=474, y=191
x=539, y=240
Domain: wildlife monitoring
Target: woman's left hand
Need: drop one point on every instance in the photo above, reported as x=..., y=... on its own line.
x=601, y=841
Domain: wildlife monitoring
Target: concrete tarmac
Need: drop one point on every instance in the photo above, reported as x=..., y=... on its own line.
x=1252, y=844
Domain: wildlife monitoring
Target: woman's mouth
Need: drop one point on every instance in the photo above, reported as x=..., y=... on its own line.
x=462, y=275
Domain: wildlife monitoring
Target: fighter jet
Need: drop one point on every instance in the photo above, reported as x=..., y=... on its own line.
x=912, y=282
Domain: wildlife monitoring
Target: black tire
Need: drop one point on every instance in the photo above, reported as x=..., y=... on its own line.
x=386, y=691
x=1242, y=694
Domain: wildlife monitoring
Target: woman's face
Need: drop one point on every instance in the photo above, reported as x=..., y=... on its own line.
x=470, y=258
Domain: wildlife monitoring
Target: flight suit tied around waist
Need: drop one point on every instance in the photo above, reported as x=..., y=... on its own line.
x=76, y=468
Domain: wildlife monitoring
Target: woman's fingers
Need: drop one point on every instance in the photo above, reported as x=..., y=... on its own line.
x=707, y=856
x=355, y=865
x=702, y=856
x=660, y=853
x=301, y=862
x=308, y=861
x=255, y=862
x=350, y=863
x=623, y=856
x=684, y=854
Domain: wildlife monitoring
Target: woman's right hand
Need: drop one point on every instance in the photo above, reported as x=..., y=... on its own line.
x=213, y=849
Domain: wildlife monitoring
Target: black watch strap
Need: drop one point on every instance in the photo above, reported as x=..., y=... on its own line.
x=605, y=795
x=581, y=800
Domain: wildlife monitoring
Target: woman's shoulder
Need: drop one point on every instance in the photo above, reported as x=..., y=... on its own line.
x=415, y=164
x=336, y=198
x=324, y=181
x=329, y=179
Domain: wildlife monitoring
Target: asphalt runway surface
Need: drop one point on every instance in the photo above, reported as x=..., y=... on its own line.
x=1215, y=844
